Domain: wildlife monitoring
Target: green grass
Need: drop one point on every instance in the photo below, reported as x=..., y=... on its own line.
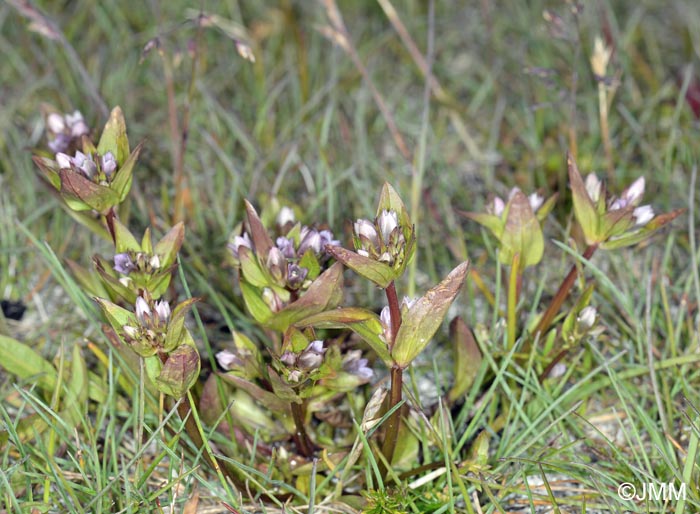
x=302, y=124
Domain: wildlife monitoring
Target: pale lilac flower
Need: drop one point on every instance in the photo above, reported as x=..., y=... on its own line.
x=85, y=164
x=109, y=163
x=286, y=245
x=77, y=125
x=388, y=221
x=162, y=309
x=238, y=242
x=60, y=143
x=366, y=231
x=327, y=239
x=288, y=358
x=131, y=332
x=228, y=360
x=294, y=376
x=123, y=263
x=630, y=196
x=558, y=370
x=312, y=357
x=277, y=264
x=497, y=207
x=354, y=363
x=296, y=275
x=385, y=319
x=55, y=123
x=309, y=239
x=643, y=215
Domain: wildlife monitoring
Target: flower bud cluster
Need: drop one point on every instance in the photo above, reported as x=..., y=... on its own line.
x=149, y=335
x=497, y=206
x=284, y=259
x=139, y=262
x=298, y=365
x=64, y=130
x=630, y=197
x=382, y=240
x=96, y=168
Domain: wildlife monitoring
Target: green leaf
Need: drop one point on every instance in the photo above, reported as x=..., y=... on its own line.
x=265, y=398
x=378, y=272
x=310, y=262
x=389, y=200
x=584, y=210
x=425, y=316
x=117, y=316
x=180, y=372
x=637, y=236
x=124, y=175
x=492, y=222
x=78, y=388
x=546, y=207
x=467, y=358
x=124, y=240
x=168, y=247
x=23, y=362
x=176, y=325
x=47, y=166
x=82, y=194
x=324, y=293
x=257, y=307
x=258, y=234
x=251, y=270
x=363, y=322
x=114, y=138
x=522, y=234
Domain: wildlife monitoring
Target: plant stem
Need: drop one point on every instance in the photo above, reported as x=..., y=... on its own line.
x=514, y=285
x=562, y=294
x=184, y=410
x=301, y=438
x=392, y=430
x=395, y=312
x=393, y=423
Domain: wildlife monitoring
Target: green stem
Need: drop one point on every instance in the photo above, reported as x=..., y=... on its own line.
x=514, y=285
x=562, y=294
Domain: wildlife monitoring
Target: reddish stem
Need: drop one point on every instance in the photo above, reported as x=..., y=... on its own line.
x=562, y=294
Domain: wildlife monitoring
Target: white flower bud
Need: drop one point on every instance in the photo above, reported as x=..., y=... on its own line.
x=643, y=215
x=143, y=311
x=55, y=123
x=633, y=194
x=536, y=201
x=593, y=187
x=286, y=215
x=162, y=309
x=586, y=318
x=365, y=230
x=388, y=221
x=63, y=160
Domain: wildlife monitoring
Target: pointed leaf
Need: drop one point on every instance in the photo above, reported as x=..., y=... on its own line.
x=117, y=316
x=492, y=222
x=168, y=247
x=114, y=138
x=375, y=271
x=23, y=362
x=123, y=239
x=389, y=200
x=363, y=322
x=265, y=398
x=522, y=234
x=425, y=316
x=251, y=271
x=124, y=175
x=324, y=293
x=258, y=233
x=82, y=194
x=546, y=207
x=47, y=167
x=467, y=358
x=584, y=210
x=180, y=372
x=637, y=236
